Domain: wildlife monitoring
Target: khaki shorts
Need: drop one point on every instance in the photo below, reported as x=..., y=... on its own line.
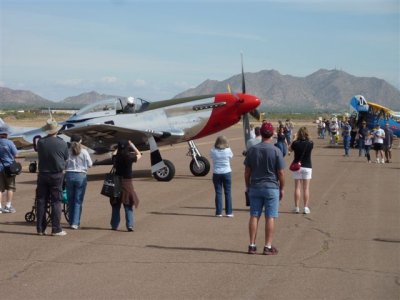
x=7, y=183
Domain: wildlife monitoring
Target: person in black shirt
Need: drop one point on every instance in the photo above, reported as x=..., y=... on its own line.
x=302, y=147
x=52, y=155
x=362, y=136
x=123, y=161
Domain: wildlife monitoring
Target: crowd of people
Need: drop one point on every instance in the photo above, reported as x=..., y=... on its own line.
x=65, y=165
x=358, y=136
x=264, y=175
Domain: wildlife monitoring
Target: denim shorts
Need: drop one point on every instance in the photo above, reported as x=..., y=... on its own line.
x=264, y=197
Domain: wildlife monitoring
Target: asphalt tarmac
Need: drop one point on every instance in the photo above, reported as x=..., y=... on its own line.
x=347, y=248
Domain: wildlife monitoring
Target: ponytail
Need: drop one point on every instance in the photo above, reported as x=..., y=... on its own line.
x=76, y=148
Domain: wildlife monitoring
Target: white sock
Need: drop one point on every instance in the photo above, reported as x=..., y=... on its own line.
x=268, y=246
x=8, y=204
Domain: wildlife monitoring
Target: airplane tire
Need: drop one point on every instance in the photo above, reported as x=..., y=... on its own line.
x=202, y=169
x=167, y=173
x=32, y=167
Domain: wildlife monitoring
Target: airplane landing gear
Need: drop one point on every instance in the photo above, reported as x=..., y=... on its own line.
x=32, y=167
x=199, y=165
x=166, y=173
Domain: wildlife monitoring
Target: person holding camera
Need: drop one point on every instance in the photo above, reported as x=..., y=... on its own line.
x=125, y=155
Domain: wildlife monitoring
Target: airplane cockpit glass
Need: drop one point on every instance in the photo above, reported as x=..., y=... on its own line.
x=362, y=101
x=106, y=107
x=141, y=105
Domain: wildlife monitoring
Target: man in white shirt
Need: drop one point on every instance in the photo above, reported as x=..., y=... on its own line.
x=379, y=135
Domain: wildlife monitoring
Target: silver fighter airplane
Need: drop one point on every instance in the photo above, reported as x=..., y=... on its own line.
x=153, y=124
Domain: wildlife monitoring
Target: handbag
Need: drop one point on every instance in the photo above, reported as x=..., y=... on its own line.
x=296, y=165
x=112, y=185
x=13, y=169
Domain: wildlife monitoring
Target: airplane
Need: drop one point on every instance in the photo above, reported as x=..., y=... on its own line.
x=153, y=124
x=374, y=114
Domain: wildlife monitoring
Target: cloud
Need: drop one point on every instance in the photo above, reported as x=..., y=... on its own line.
x=109, y=79
x=71, y=82
x=221, y=34
x=140, y=83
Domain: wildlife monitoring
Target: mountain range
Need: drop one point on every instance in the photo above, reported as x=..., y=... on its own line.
x=323, y=90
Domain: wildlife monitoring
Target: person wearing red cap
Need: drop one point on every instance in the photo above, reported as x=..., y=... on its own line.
x=265, y=181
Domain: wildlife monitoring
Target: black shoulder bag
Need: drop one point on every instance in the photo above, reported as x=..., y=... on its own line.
x=112, y=185
x=13, y=169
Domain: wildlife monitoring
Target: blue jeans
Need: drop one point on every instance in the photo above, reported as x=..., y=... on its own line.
x=75, y=183
x=361, y=143
x=264, y=197
x=282, y=147
x=346, y=144
x=223, y=181
x=115, y=215
x=322, y=133
x=288, y=136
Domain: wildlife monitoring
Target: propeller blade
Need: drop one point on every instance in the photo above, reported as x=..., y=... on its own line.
x=243, y=81
x=228, y=86
x=246, y=128
x=255, y=113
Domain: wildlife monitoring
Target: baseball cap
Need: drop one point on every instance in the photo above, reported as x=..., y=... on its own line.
x=266, y=128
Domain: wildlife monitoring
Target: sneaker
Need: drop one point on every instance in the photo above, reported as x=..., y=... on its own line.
x=229, y=216
x=9, y=210
x=130, y=229
x=382, y=162
x=270, y=251
x=252, y=249
x=42, y=233
x=1, y=210
x=219, y=216
x=377, y=161
x=61, y=233
x=306, y=210
x=296, y=210
x=74, y=226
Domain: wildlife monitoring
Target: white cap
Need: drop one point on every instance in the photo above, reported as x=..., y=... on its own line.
x=131, y=100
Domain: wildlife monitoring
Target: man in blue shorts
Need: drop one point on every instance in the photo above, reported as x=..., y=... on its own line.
x=265, y=180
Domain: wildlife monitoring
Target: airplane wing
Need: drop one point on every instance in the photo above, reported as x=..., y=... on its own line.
x=380, y=107
x=104, y=137
x=20, y=142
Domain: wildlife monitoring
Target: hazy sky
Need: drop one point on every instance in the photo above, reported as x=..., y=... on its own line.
x=157, y=49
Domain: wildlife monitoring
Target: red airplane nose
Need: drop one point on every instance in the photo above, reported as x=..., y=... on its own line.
x=247, y=103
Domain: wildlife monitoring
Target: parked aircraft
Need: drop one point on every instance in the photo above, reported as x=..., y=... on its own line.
x=153, y=124
x=374, y=114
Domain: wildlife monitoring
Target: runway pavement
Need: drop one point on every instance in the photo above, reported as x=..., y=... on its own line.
x=347, y=248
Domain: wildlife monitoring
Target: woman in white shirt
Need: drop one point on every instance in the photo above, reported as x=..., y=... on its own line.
x=75, y=179
x=221, y=155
